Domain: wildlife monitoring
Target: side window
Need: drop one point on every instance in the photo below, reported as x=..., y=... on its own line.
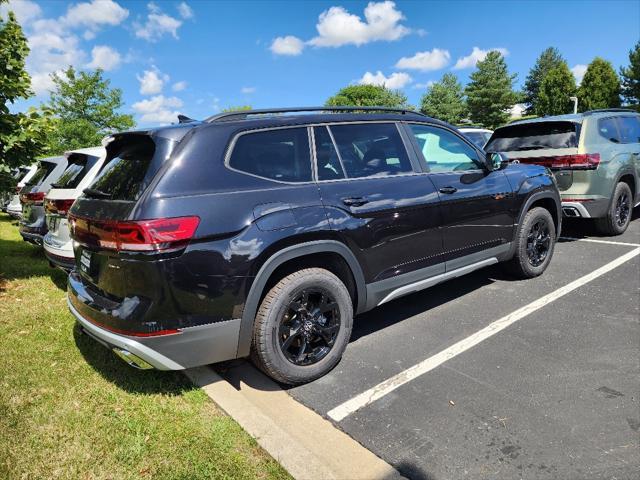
x=371, y=150
x=629, y=129
x=281, y=154
x=443, y=150
x=329, y=165
x=607, y=129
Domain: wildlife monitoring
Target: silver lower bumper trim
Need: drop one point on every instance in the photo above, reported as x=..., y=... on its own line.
x=578, y=207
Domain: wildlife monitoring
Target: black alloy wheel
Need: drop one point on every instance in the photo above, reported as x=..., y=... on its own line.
x=538, y=242
x=622, y=209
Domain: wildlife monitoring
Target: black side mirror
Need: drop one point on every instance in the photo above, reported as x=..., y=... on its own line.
x=496, y=161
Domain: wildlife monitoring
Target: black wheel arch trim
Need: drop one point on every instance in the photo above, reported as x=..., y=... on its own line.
x=272, y=263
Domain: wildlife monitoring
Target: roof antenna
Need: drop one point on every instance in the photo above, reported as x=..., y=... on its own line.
x=184, y=119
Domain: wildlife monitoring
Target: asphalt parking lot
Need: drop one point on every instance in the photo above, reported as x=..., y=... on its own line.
x=553, y=394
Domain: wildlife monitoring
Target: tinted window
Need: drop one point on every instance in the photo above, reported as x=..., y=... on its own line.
x=76, y=170
x=534, y=136
x=608, y=129
x=329, y=166
x=629, y=129
x=443, y=150
x=371, y=149
x=281, y=154
x=478, y=138
x=44, y=169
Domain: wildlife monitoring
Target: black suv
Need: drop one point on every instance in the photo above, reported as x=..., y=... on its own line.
x=262, y=233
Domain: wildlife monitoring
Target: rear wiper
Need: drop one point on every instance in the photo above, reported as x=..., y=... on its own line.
x=92, y=192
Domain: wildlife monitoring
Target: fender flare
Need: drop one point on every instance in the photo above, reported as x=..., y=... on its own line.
x=273, y=262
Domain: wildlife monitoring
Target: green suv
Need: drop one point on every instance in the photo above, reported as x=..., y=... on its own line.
x=595, y=157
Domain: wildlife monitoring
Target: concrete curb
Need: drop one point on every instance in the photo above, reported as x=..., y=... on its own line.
x=305, y=444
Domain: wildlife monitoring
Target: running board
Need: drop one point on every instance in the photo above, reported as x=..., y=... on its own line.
x=430, y=282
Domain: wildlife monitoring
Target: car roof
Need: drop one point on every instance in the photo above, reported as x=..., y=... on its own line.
x=474, y=129
x=91, y=151
x=575, y=117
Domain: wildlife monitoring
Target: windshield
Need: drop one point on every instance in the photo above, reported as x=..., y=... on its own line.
x=534, y=136
x=478, y=138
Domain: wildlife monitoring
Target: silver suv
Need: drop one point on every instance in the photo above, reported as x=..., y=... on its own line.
x=595, y=157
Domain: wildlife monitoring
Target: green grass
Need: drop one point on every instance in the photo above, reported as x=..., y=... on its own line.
x=70, y=409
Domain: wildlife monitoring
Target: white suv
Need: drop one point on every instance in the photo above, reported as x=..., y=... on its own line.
x=83, y=166
x=14, y=207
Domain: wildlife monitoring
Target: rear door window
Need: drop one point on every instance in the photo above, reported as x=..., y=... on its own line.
x=78, y=166
x=281, y=154
x=608, y=129
x=371, y=150
x=629, y=129
x=534, y=136
x=443, y=150
x=43, y=171
x=329, y=165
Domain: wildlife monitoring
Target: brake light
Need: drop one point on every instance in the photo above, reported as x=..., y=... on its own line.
x=36, y=198
x=581, y=161
x=135, y=236
x=61, y=207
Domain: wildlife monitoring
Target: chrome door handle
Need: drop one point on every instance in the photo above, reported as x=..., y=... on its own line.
x=354, y=201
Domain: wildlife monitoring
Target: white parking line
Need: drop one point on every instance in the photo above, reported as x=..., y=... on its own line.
x=365, y=398
x=595, y=240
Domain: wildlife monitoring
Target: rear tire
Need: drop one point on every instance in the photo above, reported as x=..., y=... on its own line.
x=535, y=242
x=619, y=214
x=302, y=327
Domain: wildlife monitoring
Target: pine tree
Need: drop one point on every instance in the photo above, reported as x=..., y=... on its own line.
x=600, y=87
x=631, y=78
x=555, y=91
x=445, y=100
x=548, y=60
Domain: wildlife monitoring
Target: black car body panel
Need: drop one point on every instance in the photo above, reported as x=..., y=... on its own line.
x=384, y=232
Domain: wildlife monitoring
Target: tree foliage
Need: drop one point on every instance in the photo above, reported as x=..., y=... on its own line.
x=236, y=108
x=600, y=86
x=490, y=92
x=368, y=96
x=445, y=100
x=547, y=61
x=22, y=135
x=631, y=78
x=85, y=109
x=555, y=91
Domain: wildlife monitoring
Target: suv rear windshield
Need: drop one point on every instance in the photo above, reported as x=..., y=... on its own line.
x=534, y=136
x=128, y=171
x=43, y=171
x=79, y=165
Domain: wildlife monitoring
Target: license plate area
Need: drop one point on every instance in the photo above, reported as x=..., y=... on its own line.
x=85, y=262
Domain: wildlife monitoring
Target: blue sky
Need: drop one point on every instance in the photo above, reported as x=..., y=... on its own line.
x=195, y=57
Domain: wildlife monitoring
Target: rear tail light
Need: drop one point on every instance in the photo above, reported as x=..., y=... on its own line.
x=61, y=207
x=135, y=236
x=581, y=161
x=36, y=198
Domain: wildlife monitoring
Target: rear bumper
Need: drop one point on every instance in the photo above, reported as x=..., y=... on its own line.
x=34, y=238
x=60, y=255
x=587, y=208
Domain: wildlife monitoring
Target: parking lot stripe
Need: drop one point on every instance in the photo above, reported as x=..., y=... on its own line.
x=371, y=395
x=595, y=240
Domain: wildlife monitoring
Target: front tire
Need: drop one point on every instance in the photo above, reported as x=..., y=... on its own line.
x=619, y=214
x=302, y=327
x=535, y=242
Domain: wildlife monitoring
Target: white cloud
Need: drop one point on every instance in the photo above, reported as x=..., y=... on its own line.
x=429, y=84
x=185, y=11
x=477, y=55
x=179, y=86
x=578, y=72
x=288, y=45
x=247, y=90
x=337, y=27
x=394, y=81
x=157, y=25
x=105, y=57
x=152, y=81
x=95, y=14
x=426, y=61
x=25, y=10
x=158, y=109
x=51, y=53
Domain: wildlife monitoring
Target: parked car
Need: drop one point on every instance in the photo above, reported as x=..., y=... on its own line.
x=595, y=157
x=32, y=221
x=14, y=207
x=82, y=167
x=478, y=135
x=263, y=232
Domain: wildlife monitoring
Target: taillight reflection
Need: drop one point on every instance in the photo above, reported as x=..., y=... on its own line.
x=60, y=207
x=36, y=198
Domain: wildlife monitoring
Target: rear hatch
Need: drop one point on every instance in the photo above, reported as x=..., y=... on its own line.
x=553, y=144
x=116, y=277
x=32, y=194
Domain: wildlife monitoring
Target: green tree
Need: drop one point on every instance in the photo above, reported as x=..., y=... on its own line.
x=368, y=96
x=22, y=135
x=445, y=100
x=556, y=88
x=85, y=109
x=548, y=60
x=600, y=86
x=236, y=108
x=631, y=78
x=490, y=92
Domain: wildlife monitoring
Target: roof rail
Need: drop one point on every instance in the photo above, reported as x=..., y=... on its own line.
x=604, y=110
x=242, y=114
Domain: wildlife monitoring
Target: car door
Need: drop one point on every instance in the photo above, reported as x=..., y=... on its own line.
x=629, y=127
x=386, y=211
x=477, y=204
